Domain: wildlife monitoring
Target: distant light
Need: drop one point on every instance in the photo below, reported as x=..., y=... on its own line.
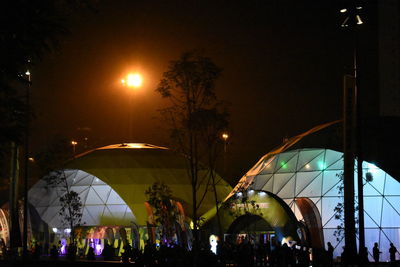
x=343, y=10
x=225, y=136
x=213, y=243
x=239, y=194
x=359, y=7
x=27, y=73
x=262, y=194
x=308, y=166
x=55, y=230
x=359, y=21
x=283, y=165
x=372, y=168
x=74, y=143
x=321, y=165
x=67, y=231
x=136, y=145
x=31, y=159
x=251, y=191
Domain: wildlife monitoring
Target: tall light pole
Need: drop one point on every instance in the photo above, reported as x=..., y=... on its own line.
x=225, y=137
x=132, y=81
x=74, y=143
x=26, y=167
x=352, y=140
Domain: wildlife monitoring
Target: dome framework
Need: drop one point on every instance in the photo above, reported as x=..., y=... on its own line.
x=316, y=174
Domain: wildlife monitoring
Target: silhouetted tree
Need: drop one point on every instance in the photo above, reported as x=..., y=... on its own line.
x=51, y=163
x=195, y=118
x=159, y=196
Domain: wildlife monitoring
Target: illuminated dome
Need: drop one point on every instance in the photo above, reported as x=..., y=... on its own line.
x=111, y=182
x=315, y=174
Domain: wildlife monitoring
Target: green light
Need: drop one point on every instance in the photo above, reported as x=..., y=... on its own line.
x=283, y=165
x=321, y=165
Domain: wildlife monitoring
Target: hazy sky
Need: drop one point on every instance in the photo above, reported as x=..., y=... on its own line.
x=283, y=64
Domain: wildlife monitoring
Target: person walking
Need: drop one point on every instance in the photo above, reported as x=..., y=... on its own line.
x=376, y=253
x=392, y=253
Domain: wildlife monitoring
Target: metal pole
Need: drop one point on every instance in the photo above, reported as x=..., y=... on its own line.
x=348, y=175
x=360, y=183
x=26, y=174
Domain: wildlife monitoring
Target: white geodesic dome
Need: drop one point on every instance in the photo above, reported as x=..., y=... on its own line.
x=315, y=174
x=101, y=205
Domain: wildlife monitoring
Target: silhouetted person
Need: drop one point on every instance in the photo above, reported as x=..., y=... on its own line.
x=376, y=252
x=90, y=255
x=329, y=253
x=392, y=252
x=54, y=253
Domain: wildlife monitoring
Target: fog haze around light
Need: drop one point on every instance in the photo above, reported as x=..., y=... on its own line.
x=282, y=71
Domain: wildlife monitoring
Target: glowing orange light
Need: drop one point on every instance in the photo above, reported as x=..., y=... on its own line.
x=132, y=80
x=74, y=143
x=225, y=136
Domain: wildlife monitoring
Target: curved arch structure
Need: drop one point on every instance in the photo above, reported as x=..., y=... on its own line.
x=270, y=208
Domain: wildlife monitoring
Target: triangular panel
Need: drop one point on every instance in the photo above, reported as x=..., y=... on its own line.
x=330, y=181
x=373, y=206
x=316, y=164
x=378, y=181
x=328, y=208
x=93, y=198
x=268, y=186
x=306, y=156
x=97, y=181
x=87, y=219
x=314, y=189
x=85, y=180
x=369, y=190
x=368, y=222
x=260, y=180
x=283, y=160
x=280, y=179
x=269, y=166
x=303, y=179
x=288, y=190
x=333, y=160
x=115, y=199
x=96, y=212
x=392, y=186
x=390, y=216
x=103, y=191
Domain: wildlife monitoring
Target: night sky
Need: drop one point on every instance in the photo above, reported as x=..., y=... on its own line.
x=283, y=63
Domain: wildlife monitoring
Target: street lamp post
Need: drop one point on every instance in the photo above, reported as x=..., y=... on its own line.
x=74, y=143
x=225, y=137
x=26, y=167
x=352, y=140
x=132, y=81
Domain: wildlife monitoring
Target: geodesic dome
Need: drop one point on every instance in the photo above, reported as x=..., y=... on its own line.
x=111, y=182
x=315, y=174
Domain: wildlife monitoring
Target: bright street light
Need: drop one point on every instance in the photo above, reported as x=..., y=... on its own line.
x=132, y=80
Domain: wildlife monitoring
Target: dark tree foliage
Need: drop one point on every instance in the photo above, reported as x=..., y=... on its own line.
x=339, y=208
x=159, y=196
x=195, y=119
x=51, y=163
x=28, y=30
x=241, y=204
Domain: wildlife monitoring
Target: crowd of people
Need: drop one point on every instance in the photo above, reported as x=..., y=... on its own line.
x=243, y=252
